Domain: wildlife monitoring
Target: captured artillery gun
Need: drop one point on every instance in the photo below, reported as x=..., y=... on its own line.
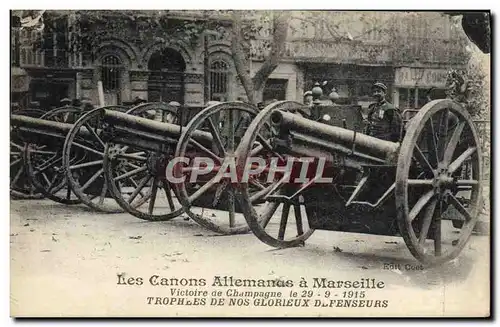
x=374, y=186
x=135, y=151
x=43, y=152
x=20, y=184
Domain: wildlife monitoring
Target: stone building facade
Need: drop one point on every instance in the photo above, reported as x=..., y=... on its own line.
x=409, y=52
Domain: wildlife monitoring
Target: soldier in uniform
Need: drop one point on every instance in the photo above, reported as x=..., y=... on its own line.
x=384, y=120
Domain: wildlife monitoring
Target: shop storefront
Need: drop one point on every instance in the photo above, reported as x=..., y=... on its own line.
x=414, y=87
x=49, y=87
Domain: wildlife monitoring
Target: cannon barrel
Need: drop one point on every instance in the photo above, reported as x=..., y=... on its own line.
x=151, y=130
x=37, y=126
x=325, y=136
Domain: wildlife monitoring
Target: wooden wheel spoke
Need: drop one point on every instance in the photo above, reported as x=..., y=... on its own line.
x=17, y=146
x=461, y=159
x=424, y=199
x=132, y=156
x=132, y=165
x=256, y=183
x=231, y=208
x=15, y=162
x=216, y=135
x=427, y=220
x=268, y=214
x=204, y=149
x=298, y=219
x=443, y=133
x=103, y=193
x=452, y=144
x=168, y=194
x=68, y=192
x=230, y=131
x=256, y=150
x=92, y=179
x=463, y=211
x=434, y=142
x=238, y=124
x=88, y=149
x=51, y=184
x=139, y=188
x=284, y=220
x=267, y=146
x=203, y=189
x=135, y=184
x=467, y=182
x=93, y=133
x=46, y=178
x=43, y=152
x=130, y=173
x=437, y=237
x=46, y=165
x=14, y=181
x=419, y=155
x=154, y=191
x=263, y=192
x=86, y=164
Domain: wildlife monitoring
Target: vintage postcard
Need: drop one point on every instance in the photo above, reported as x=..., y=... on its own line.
x=258, y=163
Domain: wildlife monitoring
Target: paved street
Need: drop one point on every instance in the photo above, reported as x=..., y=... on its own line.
x=65, y=260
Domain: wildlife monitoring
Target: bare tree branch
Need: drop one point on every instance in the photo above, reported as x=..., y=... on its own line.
x=238, y=54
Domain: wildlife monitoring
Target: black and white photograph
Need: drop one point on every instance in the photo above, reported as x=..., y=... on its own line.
x=250, y=163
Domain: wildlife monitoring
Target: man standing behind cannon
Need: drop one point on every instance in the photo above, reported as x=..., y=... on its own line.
x=384, y=119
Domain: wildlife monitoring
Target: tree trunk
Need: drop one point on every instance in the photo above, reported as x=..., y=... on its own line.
x=254, y=86
x=239, y=58
x=259, y=94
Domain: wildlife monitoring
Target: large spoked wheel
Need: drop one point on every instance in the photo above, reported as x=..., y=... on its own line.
x=268, y=211
x=212, y=136
x=136, y=178
x=20, y=183
x=86, y=175
x=439, y=145
x=44, y=162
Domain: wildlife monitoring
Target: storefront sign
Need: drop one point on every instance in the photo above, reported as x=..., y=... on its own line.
x=321, y=51
x=421, y=77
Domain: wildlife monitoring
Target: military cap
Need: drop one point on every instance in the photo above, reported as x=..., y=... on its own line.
x=308, y=93
x=379, y=85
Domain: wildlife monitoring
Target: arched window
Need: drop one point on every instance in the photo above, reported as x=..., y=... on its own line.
x=219, y=80
x=111, y=69
x=111, y=72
